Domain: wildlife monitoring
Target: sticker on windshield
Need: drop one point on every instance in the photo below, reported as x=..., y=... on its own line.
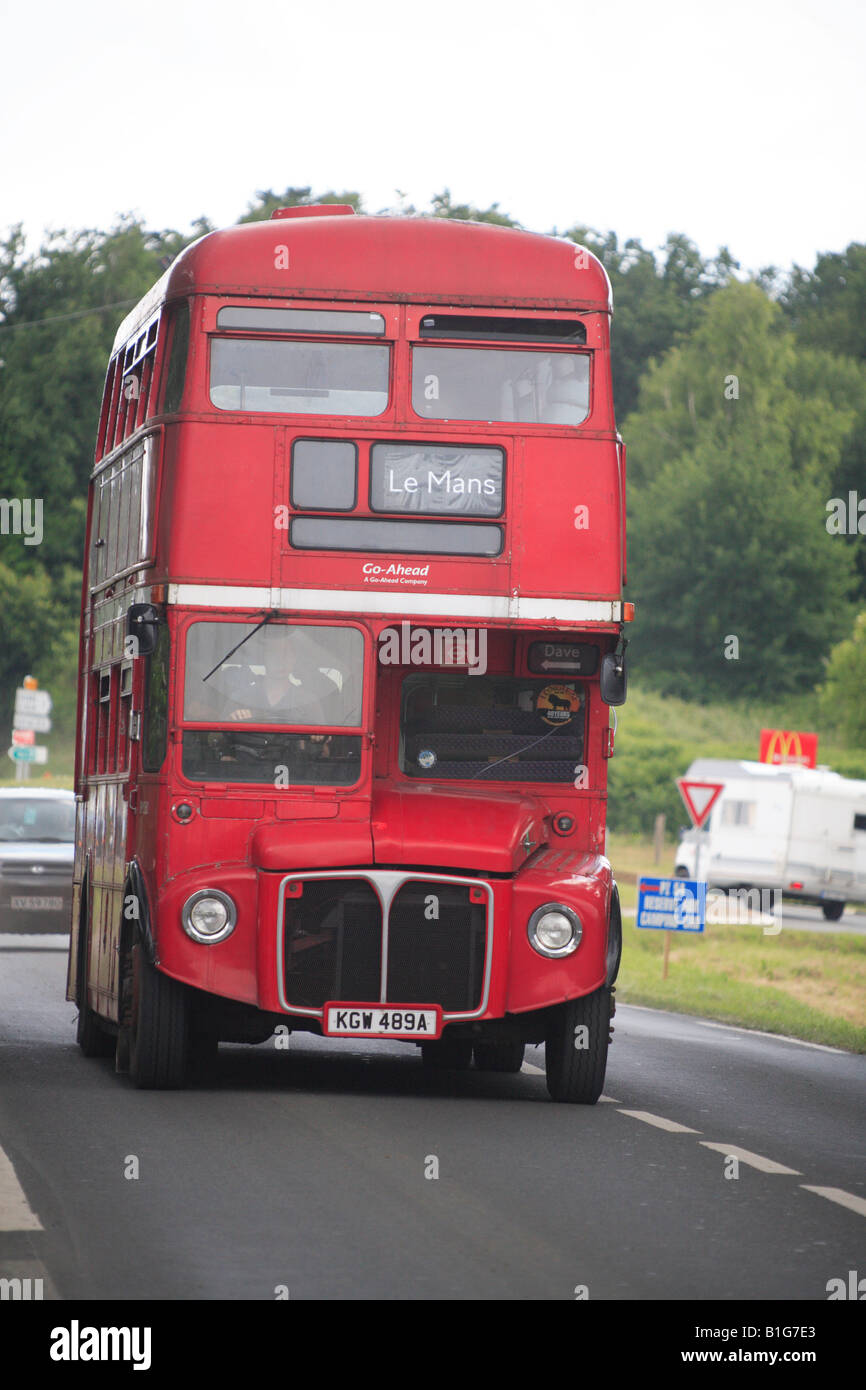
x=427, y=758
x=557, y=704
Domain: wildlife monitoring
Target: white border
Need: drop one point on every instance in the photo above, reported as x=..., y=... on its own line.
x=480, y=606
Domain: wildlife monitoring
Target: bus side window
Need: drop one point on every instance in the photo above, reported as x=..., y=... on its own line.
x=155, y=735
x=175, y=372
x=121, y=761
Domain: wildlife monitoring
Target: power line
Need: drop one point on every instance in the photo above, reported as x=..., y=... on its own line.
x=76, y=314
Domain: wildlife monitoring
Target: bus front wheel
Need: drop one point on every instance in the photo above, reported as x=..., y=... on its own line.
x=159, y=1026
x=575, y=1052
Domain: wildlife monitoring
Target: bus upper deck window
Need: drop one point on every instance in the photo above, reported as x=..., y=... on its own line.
x=299, y=378
x=544, y=388
x=176, y=369
x=268, y=320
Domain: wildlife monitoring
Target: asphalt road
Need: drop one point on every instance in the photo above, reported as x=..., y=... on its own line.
x=308, y=1169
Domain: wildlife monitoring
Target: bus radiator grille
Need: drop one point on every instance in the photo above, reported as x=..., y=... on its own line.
x=436, y=941
x=333, y=943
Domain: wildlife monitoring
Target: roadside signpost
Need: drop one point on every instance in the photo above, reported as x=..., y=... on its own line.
x=699, y=798
x=28, y=755
x=31, y=717
x=669, y=905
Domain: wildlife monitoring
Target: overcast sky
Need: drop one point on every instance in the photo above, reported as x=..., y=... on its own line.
x=736, y=123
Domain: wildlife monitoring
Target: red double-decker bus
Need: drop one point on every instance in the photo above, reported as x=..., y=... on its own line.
x=352, y=620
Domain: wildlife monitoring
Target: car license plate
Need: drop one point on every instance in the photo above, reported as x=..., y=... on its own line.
x=37, y=904
x=382, y=1021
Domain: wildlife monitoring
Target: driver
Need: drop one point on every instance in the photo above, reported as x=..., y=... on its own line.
x=290, y=690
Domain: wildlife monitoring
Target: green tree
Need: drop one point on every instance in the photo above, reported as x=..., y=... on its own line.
x=657, y=302
x=59, y=311
x=36, y=637
x=843, y=695
x=827, y=306
x=827, y=309
x=731, y=454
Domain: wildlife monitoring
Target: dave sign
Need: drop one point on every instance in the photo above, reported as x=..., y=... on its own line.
x=780, y=746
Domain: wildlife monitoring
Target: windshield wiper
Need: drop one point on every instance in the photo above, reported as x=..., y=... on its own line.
x=269, y=617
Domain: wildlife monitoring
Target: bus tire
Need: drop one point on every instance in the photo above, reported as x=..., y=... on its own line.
x=447, y=1054
x=832, y=911
x=499, y=1056
x=159, y=1027
x=575, y=1052
x=92, y=1038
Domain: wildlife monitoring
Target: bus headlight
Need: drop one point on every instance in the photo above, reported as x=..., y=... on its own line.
x=554, y=930
x=209, y=916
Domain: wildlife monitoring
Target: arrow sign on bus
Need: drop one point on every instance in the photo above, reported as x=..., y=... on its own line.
x=700, y=798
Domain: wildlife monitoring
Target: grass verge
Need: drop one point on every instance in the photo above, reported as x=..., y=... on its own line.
x=809, y=985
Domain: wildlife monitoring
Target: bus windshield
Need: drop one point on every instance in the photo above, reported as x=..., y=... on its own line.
x=306, y=677
x=285, y=675
x=299, y=378
x=500, y=384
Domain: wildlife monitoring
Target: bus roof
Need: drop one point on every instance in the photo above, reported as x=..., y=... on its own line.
x=422, y=260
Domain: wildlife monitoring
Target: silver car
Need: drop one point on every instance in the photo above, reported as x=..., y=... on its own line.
x=37, y=850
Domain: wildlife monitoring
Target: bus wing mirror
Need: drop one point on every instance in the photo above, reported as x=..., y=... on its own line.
x=613, y=680
x=142, y=622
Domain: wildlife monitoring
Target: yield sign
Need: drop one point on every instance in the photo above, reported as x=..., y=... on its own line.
x=700, y=798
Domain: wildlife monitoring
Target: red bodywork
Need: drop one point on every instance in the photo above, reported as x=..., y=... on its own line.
x=190, y=526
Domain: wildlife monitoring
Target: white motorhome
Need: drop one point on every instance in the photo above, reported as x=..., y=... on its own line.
x=801, y=830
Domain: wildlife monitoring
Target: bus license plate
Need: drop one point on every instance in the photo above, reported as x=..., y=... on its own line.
x=37, y=904
x=382, y=1021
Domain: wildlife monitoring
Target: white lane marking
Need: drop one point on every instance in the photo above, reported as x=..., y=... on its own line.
x=766, y=1165
x=539, y=1071
x=778, y=1037
x=732, y=1028
x=659, y=1121
x=15, y=1211
x=24, y=943
x=838, y=1194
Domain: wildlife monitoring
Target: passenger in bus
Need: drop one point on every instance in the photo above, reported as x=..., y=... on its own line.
x=568, y=392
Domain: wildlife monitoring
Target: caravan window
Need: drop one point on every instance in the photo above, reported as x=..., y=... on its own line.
x=738, y=813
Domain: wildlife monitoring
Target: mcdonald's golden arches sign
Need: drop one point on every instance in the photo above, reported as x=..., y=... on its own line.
x=789, y=746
